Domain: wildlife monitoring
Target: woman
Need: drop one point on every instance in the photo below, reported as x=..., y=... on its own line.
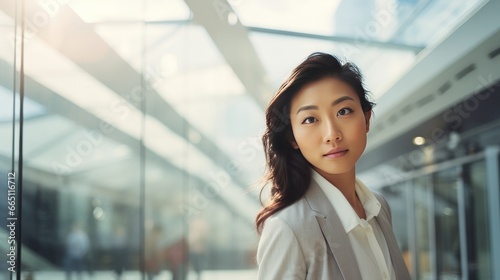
x=321, y=222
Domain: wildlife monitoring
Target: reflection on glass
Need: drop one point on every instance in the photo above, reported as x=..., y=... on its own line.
x=447, y=224
x=478, y=235
x=423, y=245
x=7, y=177
x=396, y=196
x=85, y=174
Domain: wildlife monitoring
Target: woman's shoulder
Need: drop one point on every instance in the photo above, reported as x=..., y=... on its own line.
x=297, y=215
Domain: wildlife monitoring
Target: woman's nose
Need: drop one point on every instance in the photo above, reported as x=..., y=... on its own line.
x=332, y=132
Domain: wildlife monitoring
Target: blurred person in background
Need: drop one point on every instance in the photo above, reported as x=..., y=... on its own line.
x=197, y=242
x=119, y=251
x=176, y=258
x=77, y=250
x=153, y=252
x=159, y=256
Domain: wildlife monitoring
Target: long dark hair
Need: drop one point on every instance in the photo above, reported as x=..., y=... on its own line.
x=288, y=173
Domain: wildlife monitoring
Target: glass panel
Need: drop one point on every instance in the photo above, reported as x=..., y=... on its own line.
x=378, y=20
x=477, y=215
x=421, y=189
x=98, y=205
x=279, y=54
x=316, y=16
x=427, y=22
x=8, y=150
x=396, y=196
x=447, y=224
x=81, y=201
x=197, y=191
x=374, y=35
x=132, y=10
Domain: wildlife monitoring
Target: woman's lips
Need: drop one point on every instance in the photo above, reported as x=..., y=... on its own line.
x=336, y=153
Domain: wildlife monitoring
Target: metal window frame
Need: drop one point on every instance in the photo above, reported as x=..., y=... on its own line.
x=493, y=191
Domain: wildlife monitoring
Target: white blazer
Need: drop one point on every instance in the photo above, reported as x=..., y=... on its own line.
x=306, y=241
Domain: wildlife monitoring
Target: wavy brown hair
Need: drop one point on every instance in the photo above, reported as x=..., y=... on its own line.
x=288, y=172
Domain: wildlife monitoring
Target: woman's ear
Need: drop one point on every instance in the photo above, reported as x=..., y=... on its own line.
x=368, y=116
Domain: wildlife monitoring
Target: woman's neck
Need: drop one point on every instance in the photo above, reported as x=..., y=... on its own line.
x=345, y=183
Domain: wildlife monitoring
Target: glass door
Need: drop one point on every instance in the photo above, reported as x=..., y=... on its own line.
x=448, y=231
x=422, y=193
x=478, y=237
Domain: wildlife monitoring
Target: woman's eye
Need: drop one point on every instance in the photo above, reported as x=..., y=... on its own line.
x=309, y=120
x=344, y=111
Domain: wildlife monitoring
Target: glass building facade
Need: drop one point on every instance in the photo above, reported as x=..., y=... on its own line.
x=130, y=131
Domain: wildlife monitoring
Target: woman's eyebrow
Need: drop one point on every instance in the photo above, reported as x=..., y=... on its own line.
x=341, y=99
x=335, y=102
x=308, y=107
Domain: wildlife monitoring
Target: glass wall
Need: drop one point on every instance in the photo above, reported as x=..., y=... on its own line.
x=424, y=235
x=397, y=197
x=447, y=228
x=440, y=219
x=141, y=124
x=477, y=229
x=9, y=81
x=132, y=166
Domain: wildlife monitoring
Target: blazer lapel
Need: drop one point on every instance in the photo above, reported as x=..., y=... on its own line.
x=333, y=232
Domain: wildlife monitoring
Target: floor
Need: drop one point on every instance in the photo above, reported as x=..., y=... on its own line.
x=135, y=275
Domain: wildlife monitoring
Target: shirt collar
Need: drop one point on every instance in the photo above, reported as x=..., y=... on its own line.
x=346, y=213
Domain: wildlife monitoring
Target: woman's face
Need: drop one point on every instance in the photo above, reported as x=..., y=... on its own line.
x=329, y=125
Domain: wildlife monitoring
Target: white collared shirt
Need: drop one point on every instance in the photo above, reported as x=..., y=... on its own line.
x=366, y=237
